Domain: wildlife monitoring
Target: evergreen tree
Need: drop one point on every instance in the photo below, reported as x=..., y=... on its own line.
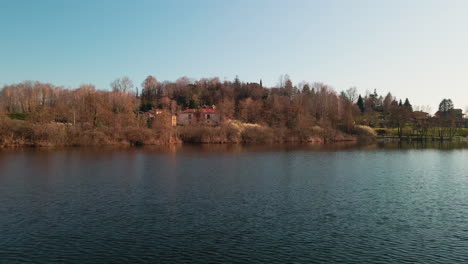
x=400, y=103
x=373, y=100
x=360, y=103
x=306, y=89
x=237, y=80
x=288, y=87
x=387, y=102
x=408, y=105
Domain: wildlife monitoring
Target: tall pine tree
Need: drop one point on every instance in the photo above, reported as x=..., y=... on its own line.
x=360, y=104
x=408, y=105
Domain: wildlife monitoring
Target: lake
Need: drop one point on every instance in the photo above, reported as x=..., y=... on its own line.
x=234, y=204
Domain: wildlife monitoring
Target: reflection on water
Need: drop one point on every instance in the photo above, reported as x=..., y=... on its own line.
x=438, y=145
x=350, y=203
x=233, y=148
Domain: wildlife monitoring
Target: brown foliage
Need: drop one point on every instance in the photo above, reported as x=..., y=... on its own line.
x=87, y=116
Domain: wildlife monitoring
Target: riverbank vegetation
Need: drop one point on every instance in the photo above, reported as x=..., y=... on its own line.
x=41, y=114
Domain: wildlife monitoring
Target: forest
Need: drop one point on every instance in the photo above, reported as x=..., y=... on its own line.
x=41, y=114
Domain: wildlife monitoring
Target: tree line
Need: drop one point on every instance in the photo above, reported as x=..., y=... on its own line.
x=387, y=112
x=34, y=111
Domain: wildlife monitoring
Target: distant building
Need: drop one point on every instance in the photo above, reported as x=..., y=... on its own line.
x=160, y=114
x=420, y=115
x=454, y=114
x=202, y=116
x=153, y=113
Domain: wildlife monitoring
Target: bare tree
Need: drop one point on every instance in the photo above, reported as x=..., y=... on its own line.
x=352, y=94
x=150, y=83
x=399, y=116
x=123, y=84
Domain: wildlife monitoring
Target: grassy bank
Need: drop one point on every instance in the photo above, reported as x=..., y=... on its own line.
x=15, y=133
x=408, y=133
x=237, y=132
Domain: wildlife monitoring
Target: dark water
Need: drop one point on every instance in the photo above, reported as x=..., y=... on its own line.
x=214, y=204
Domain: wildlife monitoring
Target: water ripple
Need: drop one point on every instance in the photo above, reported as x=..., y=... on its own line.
x=272, y=207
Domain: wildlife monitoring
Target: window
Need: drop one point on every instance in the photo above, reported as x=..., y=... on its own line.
x=208, y=116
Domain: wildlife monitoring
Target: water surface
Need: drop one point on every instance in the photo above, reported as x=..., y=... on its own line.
x=218, y=204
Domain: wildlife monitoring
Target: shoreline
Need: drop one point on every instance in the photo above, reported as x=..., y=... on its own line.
x=179, y=142
x=415, y=139
x=21, y=143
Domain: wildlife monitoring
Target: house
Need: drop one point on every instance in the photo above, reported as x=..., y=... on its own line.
x=419, y=116
x=202, y=116
x=153, y=113
x=455, y=116
x=160, y=114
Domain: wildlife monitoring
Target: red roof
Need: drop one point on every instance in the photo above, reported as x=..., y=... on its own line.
x=201, y=110
x=208, y=111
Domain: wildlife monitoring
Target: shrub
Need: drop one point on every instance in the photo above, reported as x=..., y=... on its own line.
x=364, y=131
x=257, y=134
x=18, y=116
x=201, y=134
x=139, y=136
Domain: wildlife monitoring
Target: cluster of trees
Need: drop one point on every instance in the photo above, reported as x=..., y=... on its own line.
x=115, y=115
x=388, y=112
x=285, y=106
x=44, y=103
x=38, y=113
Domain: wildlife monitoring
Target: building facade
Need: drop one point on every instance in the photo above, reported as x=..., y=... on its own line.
x=202, y=116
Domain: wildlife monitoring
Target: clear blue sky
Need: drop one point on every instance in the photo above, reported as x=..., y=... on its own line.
x=416, y=49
